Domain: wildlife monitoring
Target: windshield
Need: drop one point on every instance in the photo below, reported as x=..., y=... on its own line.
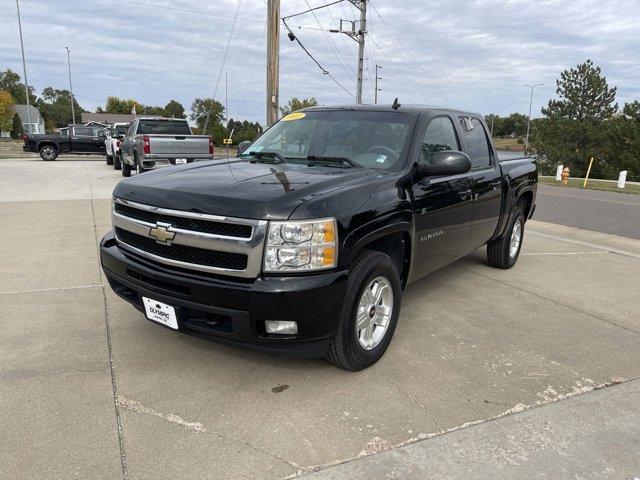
x=370, y=139
x=164, y=127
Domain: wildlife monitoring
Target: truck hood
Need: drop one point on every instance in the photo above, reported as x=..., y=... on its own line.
x=238, y=188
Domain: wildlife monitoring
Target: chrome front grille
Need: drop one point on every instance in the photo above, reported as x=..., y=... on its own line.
x=208, y=243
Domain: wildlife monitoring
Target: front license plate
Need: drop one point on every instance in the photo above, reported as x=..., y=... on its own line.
x=160, y=313
x=180, y=160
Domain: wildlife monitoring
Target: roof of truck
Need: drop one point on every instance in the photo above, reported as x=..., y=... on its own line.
x=416, y=109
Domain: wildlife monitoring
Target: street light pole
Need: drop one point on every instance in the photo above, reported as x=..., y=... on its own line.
x=532, y=87
x=73, y=111
x=24, y=68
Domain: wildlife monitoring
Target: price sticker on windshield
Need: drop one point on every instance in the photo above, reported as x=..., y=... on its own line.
x=293, y=116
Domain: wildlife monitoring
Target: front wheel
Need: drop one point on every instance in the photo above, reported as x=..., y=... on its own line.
x=369, y=313
x=503, y=252
x=48, y=153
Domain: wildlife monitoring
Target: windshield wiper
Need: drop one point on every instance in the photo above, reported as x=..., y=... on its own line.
x=343, y=160
x=273, y=155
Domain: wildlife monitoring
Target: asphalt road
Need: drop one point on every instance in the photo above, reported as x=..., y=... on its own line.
x=607, y=212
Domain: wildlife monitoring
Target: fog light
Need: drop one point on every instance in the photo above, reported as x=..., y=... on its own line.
x=281, y=327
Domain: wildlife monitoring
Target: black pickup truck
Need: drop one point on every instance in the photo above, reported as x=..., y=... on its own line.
x=78, y=139
x=304, y=243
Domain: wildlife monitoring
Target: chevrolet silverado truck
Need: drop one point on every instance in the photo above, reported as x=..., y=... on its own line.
x=76, y=139
x=112, y=143
x=155, y=140
x=304, y=243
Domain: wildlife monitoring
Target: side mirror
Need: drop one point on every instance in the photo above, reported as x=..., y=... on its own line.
x=448, y=162
x=242, y=146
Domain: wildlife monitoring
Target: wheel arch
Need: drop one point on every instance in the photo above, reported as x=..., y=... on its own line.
x=394, y=240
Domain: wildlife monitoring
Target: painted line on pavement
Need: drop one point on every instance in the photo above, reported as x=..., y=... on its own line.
x=78, y=287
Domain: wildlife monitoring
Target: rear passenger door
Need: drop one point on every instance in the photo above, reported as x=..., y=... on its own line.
x=442, y=205
x=486, y=182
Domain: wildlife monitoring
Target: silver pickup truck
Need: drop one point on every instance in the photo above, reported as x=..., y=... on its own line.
x=150, y=141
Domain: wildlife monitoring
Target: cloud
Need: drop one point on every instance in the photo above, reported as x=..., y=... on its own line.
x=472, y=54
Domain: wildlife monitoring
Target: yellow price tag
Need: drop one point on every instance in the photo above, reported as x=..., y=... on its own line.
x=294, y=116
x=227, y=141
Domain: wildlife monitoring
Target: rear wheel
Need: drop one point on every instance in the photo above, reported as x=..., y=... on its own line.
x=369, y=313
x=48, y=153
x=117, y=162
x=503, y=252
x=109, y=159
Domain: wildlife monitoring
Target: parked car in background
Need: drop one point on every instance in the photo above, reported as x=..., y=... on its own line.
x=112, y=143
x=150, y=141
x=79, y=139
x=304, y=243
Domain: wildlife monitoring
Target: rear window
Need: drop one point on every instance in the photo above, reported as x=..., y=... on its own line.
x=163, y=127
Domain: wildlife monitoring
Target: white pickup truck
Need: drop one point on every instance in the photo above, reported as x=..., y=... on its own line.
x=112, y=143
x=150, y=141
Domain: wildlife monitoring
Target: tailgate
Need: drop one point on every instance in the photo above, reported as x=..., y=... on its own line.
x=179, y=145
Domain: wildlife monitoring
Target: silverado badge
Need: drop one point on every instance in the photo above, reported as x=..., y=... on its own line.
x=162, y=234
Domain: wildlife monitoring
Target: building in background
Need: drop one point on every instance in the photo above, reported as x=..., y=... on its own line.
x=106, y=118
x=37, y=122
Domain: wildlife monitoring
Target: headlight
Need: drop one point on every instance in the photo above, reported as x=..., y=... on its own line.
x=301, y=245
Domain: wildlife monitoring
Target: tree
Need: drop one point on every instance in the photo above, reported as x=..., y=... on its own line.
x=297, y=104
x=584, y=95
x=573, y=128
x=16, y=127
x=203, y=107
x=12, y=83
x=174, y=109
x=6, y=111
x=121, y=105
x=55, y=106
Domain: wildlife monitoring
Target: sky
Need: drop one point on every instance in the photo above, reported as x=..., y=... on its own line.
x=472, y=54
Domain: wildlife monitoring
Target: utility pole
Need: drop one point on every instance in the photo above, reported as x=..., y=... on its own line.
x=532, y=87
x=362, y=31
x=358, y=36
x=73, y=111
x=24, y=68
x=375, y=101
x=273, y=60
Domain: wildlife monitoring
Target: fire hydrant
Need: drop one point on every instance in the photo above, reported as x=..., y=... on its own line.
x=565, y=176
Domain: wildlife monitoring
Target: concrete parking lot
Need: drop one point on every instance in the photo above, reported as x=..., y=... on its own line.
x=531, y=372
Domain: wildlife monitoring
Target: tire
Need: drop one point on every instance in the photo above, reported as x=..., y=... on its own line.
x=349, y=349
x=126, y=169
x=503, y=252
x=117, y=162
x=48, y=153
x=109, y=159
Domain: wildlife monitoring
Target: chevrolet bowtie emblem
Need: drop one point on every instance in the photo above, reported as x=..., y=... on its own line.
x=162, y=234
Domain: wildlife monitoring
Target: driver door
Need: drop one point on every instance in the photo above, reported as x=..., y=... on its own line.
x=442, y=205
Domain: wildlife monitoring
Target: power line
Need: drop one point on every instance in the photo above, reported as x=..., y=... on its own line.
x=188, y=10
x=424, y=46
x=224, y=60
x=253, y=67
x=327, y=39
x=411, y=57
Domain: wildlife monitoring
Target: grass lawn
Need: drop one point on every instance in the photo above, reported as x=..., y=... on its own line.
x=510, y=144
x=610, y=186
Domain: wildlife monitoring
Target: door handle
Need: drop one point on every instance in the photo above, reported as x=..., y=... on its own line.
x=465, y=194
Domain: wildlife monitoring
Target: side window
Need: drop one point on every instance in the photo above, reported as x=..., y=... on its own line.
x=476, y=143
x=440, y=136
x=83, y=131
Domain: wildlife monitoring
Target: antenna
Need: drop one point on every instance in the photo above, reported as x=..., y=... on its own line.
x=396, y=105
